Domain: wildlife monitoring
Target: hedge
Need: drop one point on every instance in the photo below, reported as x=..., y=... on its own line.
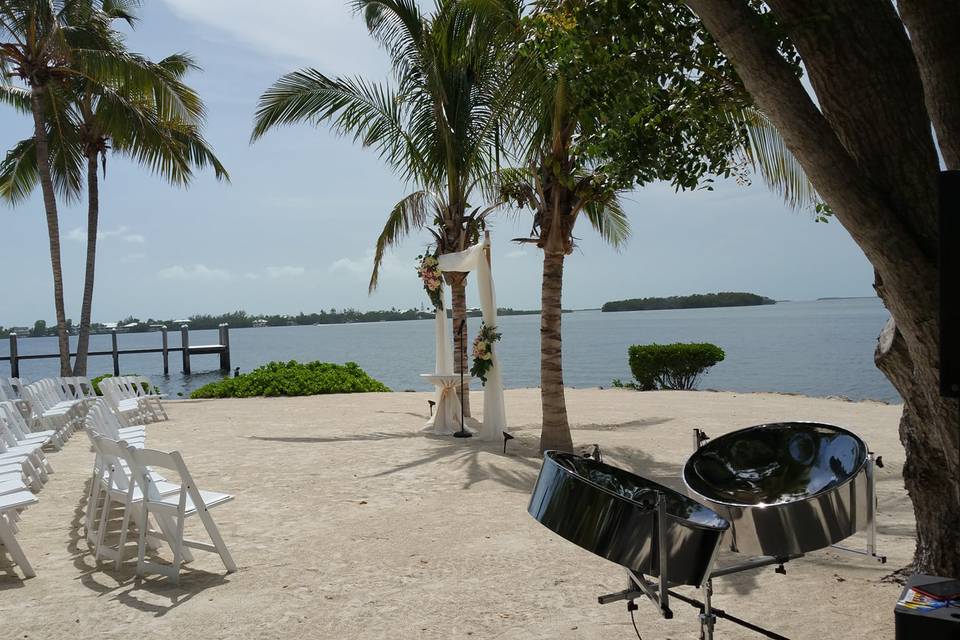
x=672, y=366
x=293, y=379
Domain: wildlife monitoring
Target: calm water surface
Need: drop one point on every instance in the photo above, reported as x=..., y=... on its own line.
x=814, y=348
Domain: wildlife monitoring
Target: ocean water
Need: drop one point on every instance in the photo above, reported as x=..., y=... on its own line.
x=818, y=348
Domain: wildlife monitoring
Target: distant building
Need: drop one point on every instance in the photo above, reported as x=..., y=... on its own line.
x=259, y=323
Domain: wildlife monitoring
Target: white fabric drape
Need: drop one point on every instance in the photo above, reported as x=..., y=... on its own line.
x=444, y=365
x=475, y=259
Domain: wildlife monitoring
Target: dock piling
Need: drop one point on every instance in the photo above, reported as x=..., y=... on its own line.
x=185, y=345
x=116, y=352
x=165, y=351
x=225, y=344
x=14, y=361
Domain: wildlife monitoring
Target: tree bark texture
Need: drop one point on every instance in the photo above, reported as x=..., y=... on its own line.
x=86, y=309
x=555, y=433
x=869, y=151
x=461, y=336
x=53, y=225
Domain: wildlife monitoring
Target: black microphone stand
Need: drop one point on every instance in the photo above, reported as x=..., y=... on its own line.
x=463, y=433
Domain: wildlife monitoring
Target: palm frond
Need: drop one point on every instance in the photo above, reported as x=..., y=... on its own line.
x=409, y=213
x=15, y=97
x=370, y=112
x=18, y=172
x=609, y=219
x=768, y=153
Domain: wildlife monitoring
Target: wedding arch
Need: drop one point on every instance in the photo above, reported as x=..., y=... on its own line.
x=476, y=260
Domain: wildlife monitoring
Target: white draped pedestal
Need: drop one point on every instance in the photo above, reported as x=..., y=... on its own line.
x=446, y=415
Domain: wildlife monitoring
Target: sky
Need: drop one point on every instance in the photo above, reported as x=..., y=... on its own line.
x=294, y=230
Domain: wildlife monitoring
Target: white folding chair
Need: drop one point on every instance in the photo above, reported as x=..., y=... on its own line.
x=174, y=508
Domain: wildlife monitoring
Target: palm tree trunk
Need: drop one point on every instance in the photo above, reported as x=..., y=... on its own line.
x=555, y=433
x=93, y=221
x=458, y=292
x=53, y=225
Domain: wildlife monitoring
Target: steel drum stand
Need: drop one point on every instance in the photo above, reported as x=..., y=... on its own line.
x=660, y=594
x=873, y=461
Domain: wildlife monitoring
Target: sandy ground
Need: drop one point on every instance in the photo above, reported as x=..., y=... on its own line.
x=348, y=523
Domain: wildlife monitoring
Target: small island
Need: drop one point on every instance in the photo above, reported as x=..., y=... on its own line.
x=695, y=301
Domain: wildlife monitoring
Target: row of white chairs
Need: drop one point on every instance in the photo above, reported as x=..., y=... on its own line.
x=128, y=474
x=134, y=398
x=23, y=466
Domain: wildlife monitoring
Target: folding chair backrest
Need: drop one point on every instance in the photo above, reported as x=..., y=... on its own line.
x=103, y=421
x=112, y=453
x=85, y=388
x=18, y=384
x=7, y=392
x=143, y=460
x=14, y=419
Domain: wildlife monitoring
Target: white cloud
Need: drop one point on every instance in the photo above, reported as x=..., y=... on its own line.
x=196, y=272
x=285, y=272
x=132, y=257
x=79, y=234
x=348, y=265
x=322, y=33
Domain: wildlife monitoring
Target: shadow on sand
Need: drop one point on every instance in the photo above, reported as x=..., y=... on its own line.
x=154, y=595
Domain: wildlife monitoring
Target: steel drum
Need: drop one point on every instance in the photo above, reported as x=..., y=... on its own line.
x=612, y=513
x=786, y=488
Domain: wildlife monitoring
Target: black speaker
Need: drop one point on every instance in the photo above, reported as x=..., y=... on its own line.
x=950, y=284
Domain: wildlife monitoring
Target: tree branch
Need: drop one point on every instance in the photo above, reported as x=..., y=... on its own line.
x=934, y=26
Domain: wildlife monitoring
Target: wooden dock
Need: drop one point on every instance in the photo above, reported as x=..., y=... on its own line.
x=186, y=350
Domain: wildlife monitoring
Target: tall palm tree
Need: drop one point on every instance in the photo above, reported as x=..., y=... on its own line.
x=560, y=186
x=45, y=44
x=437, y=127
x=561, y=182
x=98, y=117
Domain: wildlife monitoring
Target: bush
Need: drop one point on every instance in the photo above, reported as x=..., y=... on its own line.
x=293, y=379
x=672, y=366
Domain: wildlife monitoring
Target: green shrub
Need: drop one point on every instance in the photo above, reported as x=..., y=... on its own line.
x=293, y=379
x=672, y=366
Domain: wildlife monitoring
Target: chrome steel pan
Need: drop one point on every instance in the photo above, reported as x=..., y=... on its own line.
x=786, y=488
x=611, y=513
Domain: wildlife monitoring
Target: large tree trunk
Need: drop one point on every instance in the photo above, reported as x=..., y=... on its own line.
x=93, y=215
x=461, y=335
x=53, y=225
x=869, y=152
x=555, y=433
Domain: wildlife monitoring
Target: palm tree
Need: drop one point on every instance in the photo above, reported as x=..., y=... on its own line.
x=559, y=185
x=437, y=128
x=561, y=181
x=47, y=44
x=99, y=117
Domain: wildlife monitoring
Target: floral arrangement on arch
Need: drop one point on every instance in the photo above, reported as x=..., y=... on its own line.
x=483, y=352
x=428, y=270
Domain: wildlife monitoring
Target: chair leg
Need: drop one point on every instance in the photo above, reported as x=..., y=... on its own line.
x=123, y=538
x=217, y=540
x=13, y=548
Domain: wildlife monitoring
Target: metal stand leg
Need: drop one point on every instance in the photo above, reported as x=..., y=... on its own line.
x=707, y=618
x=871, y=551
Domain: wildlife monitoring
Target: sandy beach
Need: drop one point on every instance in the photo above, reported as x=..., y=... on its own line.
x=350, y=523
